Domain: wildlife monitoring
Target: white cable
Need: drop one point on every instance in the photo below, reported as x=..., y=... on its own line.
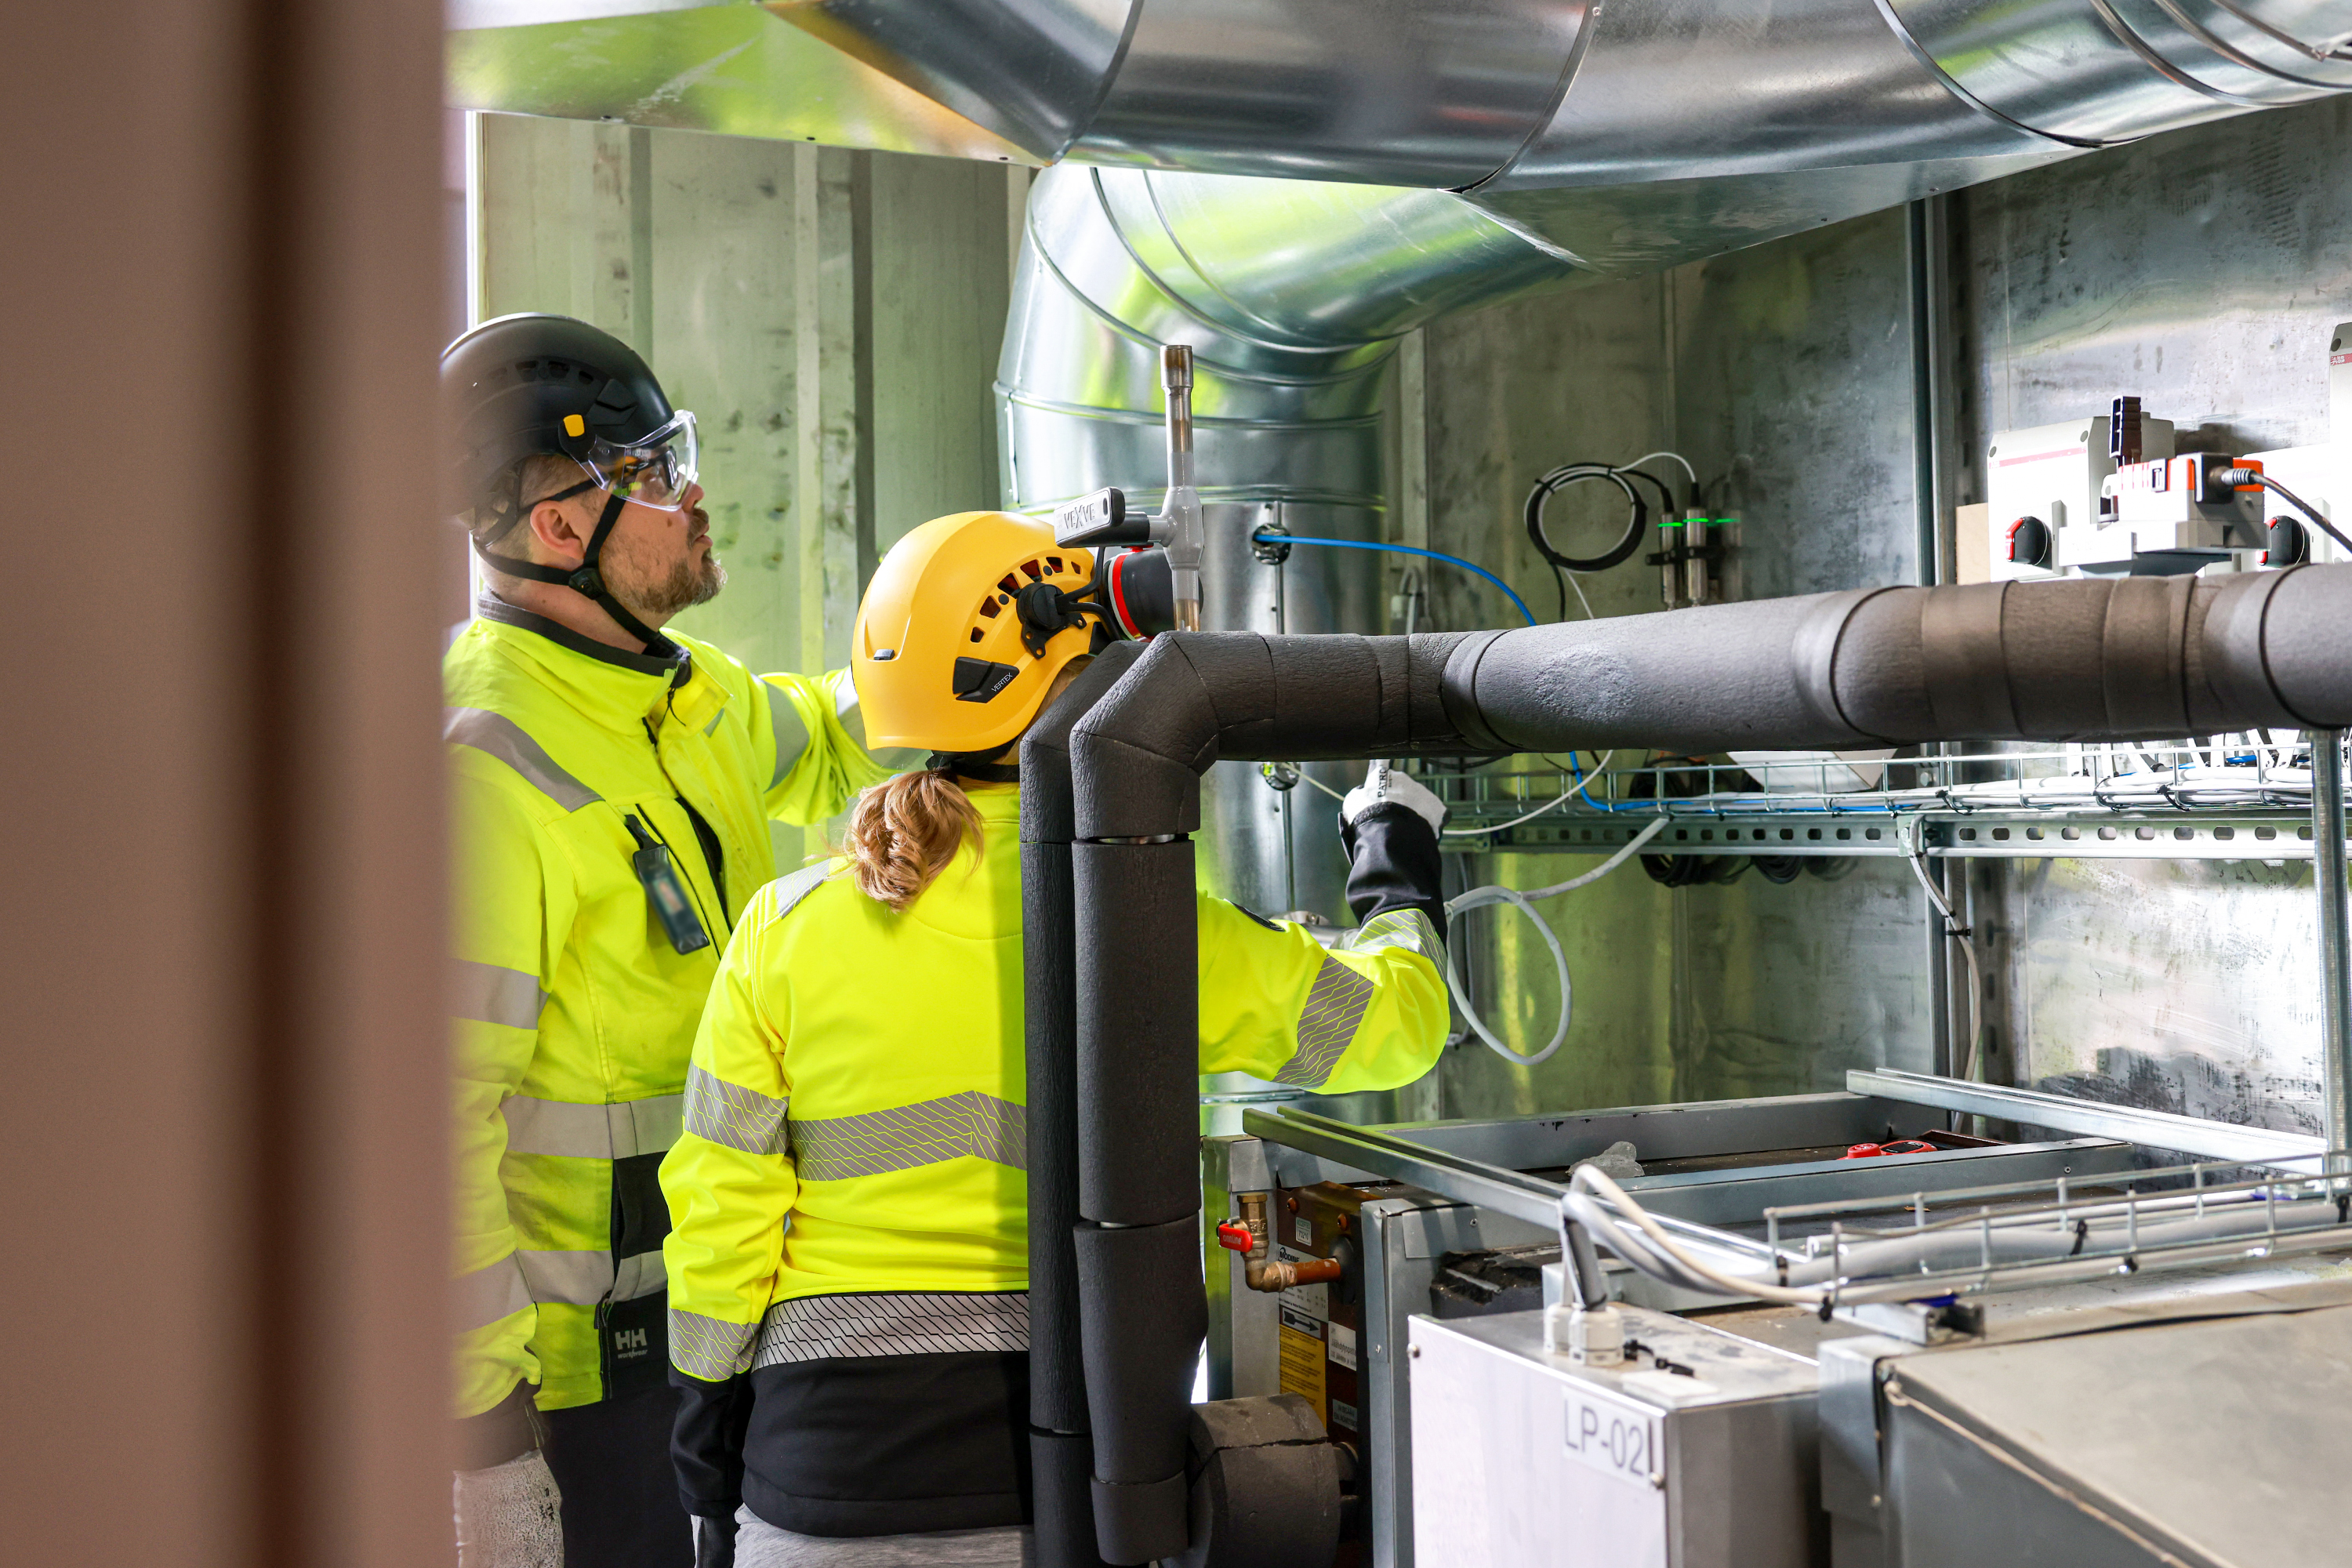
x=1627, y=853
x=1581, y=599
x=1965, y=1068
x=1479, y=899
x=1677, y=457
x=1553, y=804
x=1655, y=1240
x=1483, y=898
x=1309, y=778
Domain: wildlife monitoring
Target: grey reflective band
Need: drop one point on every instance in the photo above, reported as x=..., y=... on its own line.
x=791, y=735
x=730, y=1114
x=833, y=1148
x=784, y=894
x=593, y=1132
x=480, y=1299
x=1336, y=1005
x=489, y=994
x=711, y=1349
x=814, y=1328
x=590, y=1279
x=1408, y=928
x=496, y=735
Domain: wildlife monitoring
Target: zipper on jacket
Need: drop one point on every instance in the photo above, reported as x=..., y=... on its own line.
x=714, y=856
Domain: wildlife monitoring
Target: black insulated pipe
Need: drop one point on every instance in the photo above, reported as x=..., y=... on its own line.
x=2076, y=659
x=1061, y=1451
x=2081, y=658
x=1136, y=791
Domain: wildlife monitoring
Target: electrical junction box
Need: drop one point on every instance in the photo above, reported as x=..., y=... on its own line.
x=2181, y=504
x=2052, y=474
x=1701, y=1451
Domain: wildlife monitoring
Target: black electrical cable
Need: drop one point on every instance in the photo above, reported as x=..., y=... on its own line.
x=1636, y=531
x=2251, y=476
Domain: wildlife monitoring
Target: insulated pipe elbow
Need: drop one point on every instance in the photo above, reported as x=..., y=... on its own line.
x=1192, y=699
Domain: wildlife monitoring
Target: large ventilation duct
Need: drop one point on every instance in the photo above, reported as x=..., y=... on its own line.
x=2089, y=659
x=1292, y=295
x=1611, y=130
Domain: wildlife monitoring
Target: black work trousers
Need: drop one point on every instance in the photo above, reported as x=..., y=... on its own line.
x=611, y=1459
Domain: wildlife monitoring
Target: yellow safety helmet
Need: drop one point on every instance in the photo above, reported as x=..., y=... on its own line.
x=961, y=631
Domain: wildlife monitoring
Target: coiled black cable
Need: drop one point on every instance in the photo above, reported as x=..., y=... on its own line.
x=1559, y=479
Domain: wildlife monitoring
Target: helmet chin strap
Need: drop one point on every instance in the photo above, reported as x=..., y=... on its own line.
x=588, y=580
x=981, y=765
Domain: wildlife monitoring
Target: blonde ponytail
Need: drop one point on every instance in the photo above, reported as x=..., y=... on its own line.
x=903, y=834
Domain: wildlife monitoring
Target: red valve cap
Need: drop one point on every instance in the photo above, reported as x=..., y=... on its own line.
x=1233, y=1237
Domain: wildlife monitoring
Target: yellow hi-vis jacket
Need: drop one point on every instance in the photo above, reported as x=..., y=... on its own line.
x=859, y=1075
x=575, y=1010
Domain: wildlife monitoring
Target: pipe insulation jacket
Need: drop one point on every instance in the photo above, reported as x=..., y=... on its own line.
x=2087, y=659
x=1061, y=1451
x=2115, y=658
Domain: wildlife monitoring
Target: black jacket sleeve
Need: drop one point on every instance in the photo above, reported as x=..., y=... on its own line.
x=706, y=1446
x=1392, y=864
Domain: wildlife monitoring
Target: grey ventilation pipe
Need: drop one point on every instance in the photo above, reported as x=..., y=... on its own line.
x=2085, y=660
x=1632, y=135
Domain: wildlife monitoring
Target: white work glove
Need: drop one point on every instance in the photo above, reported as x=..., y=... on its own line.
x=1383, y=785
x=508, y=1516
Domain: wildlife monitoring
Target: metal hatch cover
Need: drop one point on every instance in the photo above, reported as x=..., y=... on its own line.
x=2214, y=1443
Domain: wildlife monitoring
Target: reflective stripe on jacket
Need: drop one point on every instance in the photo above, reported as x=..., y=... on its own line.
x=859, y=1074
x=575, y=1012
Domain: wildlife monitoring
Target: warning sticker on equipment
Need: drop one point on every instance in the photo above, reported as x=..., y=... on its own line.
x=1343, y=1346
x=1301, y=1365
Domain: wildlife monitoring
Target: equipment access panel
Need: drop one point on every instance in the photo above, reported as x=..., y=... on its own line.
x=1698, y=1452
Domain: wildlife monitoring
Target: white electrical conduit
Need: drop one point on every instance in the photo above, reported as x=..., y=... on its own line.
x=1906, y=832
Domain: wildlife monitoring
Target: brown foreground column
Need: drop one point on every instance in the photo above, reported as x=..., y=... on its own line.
x=220, y=1014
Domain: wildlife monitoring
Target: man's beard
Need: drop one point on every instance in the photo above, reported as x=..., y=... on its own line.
x=688, y=583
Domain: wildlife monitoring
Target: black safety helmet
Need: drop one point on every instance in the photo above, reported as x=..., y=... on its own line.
x=524, y=385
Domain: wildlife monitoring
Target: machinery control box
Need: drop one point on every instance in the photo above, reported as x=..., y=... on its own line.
x=1701, y=1451
x=2043, y=487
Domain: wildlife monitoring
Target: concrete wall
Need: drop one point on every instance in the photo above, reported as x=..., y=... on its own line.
x=832, y=318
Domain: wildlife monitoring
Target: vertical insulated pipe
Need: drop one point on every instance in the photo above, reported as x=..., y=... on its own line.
x=2335, y=963
x=1061, y=1449
x=1139, y=1241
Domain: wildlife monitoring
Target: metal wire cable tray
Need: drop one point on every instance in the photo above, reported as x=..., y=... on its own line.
x=2242, y=797
x=1980, y=1240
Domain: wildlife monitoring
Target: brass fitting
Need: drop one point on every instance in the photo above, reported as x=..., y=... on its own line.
x=1261, y=1271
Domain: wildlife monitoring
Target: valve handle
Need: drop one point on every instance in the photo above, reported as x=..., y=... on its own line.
x=1234, y=1236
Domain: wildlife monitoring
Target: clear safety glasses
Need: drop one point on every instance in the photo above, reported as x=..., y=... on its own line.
x=657, y=471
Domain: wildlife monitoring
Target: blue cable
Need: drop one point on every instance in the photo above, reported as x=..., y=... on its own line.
x=1517, y=602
